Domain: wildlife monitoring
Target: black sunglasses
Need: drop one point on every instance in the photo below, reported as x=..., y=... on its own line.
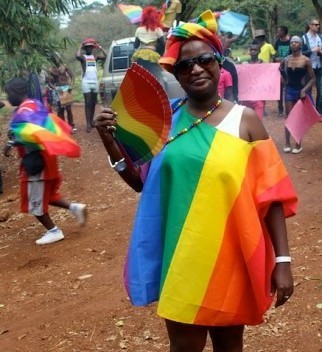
x=185, y=67
x=315, y=24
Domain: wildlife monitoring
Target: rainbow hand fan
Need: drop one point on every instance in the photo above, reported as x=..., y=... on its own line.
x=144, y=114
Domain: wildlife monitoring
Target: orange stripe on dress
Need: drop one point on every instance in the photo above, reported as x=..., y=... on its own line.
x=241, y=277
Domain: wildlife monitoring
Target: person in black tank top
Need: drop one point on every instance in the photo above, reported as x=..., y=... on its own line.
x=295, y=68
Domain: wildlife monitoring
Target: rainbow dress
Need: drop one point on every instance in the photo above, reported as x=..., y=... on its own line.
x=199, y=244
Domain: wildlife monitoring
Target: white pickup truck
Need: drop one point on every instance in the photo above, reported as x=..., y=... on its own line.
x=118, y=60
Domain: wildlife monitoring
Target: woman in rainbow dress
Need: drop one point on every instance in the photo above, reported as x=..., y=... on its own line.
x=209, y=241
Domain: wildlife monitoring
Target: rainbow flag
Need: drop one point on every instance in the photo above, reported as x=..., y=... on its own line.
x=33, y=126
x=199, y=244
x=132, y=12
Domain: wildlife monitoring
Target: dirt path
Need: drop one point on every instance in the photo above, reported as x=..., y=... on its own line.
x=69, y=296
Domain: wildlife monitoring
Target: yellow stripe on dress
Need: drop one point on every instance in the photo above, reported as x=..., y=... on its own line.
x=132, y=125
x=188, y=274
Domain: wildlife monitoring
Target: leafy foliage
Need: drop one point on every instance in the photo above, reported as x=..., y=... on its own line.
x=30, y=32
x=27, y=34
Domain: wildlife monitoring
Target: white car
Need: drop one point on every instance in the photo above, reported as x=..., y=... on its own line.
x=118, y=60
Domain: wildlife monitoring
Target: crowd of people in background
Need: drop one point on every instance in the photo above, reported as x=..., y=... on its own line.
x=298, y=58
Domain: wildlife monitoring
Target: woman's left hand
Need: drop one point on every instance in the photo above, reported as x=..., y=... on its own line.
x=302, y=94
x=282, y=283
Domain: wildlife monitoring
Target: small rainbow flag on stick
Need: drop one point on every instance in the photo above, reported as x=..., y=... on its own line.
x=33, y=126
x=132, y=12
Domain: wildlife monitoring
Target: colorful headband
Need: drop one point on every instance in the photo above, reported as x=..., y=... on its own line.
x=204, y=28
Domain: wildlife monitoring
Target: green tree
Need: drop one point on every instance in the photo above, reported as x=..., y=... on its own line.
x=27, y=34
x=266, y=14
x=318, y=7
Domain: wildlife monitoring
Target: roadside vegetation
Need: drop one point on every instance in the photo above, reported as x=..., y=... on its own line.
x=32, y=31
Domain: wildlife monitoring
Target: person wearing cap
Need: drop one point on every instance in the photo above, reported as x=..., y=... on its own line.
x=211, y=215
x=295, y=69
x=267, y=51
x=90, y=86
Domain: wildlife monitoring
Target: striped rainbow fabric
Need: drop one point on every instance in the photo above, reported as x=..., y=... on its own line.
x=33, y=126
x=132, y=12
x=199, y=243
x=144, y=114
x=205, y=29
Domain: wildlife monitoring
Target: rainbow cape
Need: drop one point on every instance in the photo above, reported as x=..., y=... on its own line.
x=33, y=126
x=199, y=244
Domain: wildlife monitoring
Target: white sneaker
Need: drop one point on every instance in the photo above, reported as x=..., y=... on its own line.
x=287, y=149
x=297, y=150
x=79, y=211
x=51, y=237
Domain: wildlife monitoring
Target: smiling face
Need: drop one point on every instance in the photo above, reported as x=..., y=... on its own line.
x=200, y=81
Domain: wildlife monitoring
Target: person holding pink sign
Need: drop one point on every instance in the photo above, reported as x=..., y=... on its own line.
x=257, y=106
x=294, y=68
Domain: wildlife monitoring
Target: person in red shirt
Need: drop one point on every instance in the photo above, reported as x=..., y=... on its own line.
x=39, y=188
x=225, y=85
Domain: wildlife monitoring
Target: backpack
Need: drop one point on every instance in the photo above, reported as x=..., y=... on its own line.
x=33, y=163
x=306, y=49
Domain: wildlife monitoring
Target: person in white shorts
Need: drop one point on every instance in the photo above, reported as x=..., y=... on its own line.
x=88, y=58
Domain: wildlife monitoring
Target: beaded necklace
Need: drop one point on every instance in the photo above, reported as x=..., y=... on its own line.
x=195, y=123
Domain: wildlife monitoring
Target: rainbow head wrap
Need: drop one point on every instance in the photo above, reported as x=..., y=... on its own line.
x=204, y=28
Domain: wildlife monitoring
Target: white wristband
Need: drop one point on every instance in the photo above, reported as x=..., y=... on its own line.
x=113, y=165
x=283, y=259
x=118, y=166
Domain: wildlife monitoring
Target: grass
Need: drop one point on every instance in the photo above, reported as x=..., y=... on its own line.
x=242, y=53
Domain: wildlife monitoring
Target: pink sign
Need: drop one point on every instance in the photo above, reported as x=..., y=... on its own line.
x=258, y=81
x=301, y=118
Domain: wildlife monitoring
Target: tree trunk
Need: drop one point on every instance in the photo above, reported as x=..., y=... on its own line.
x=188, y=7
x=318, y=8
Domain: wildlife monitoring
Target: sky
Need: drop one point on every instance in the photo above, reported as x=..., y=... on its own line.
x=88, y=2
